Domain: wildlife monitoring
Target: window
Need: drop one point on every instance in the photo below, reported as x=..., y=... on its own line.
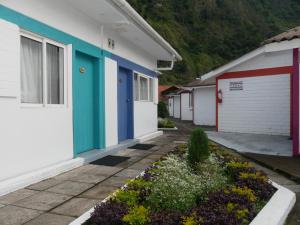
x=143, y=88
x=42, y=71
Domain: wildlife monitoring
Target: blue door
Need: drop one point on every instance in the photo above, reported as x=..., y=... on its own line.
x=125, y=121
x=84, y=99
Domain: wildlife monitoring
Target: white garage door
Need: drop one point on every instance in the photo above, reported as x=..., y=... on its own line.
x=258, y=105
x=171, y=107
x=176, y=107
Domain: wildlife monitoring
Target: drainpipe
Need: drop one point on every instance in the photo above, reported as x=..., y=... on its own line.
x=295, y=102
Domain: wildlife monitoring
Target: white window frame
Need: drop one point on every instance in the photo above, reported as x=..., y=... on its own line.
x=149, y=79
x=44, y=42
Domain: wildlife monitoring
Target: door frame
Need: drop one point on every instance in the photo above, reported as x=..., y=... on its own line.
x=130, y=108
x=98, y=101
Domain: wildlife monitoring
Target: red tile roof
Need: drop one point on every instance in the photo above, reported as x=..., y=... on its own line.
x=286, y=36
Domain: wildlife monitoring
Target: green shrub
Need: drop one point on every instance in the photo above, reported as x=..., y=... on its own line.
x=177, y=187
x=162, y=110
x=138, y=215
x=165, y=123
x=129, y=197
x=198, y=147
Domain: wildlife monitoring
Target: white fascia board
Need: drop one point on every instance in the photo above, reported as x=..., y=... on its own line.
x=126, y=8
x=202, y=87
x=222, y=69
x=272, y=47
x=284, y=45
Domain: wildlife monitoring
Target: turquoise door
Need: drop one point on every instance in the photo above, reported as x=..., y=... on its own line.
x=85, y=116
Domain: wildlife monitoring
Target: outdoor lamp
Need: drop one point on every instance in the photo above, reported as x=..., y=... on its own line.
x=220, y=96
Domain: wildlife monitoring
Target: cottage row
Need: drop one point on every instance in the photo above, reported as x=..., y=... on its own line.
x=256, y=94
x=77, y=80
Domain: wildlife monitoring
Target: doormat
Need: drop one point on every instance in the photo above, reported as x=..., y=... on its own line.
x=110, y=160
x=142, y=146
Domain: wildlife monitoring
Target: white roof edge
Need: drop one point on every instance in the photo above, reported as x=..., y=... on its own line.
x=126, y=8
x=272, y=47
x=226, y=67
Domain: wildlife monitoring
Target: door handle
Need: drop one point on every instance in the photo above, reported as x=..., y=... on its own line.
x=128, y=100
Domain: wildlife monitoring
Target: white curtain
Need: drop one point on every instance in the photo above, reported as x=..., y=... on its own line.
x=31, y=71
x=143, y=88
x=55, y=75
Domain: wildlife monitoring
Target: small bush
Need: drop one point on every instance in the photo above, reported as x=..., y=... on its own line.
x=162, y=110
x=138, y=215
x=165, y=123
x=198, y=147
x=165, y=218
x=130, y=197
x=108, y=213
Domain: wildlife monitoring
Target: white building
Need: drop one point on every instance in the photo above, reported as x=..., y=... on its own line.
x=259, y=92
x=76, y=80
x=204, y=102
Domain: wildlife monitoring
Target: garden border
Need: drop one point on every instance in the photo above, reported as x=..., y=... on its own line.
x=275, y=212
x=167, y=129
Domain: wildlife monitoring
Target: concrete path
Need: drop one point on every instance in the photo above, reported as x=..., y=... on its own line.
x=59, y=200
x=254, y=143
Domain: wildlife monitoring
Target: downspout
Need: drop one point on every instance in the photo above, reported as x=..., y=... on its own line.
x=295, y=102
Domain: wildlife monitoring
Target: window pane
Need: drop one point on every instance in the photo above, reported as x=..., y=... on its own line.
x=31, y=71
x=55, y=74
x=151, y=90
x=143, y=89
x=136, y=87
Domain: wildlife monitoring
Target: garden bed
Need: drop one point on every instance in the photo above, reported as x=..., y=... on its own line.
x=219, y=189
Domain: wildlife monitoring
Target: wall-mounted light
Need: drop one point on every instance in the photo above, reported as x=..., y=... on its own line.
x=220, y=96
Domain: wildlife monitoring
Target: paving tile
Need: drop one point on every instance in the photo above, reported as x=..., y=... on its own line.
x=146, y=161
x=70, y=188
x=99, y=192
x=115, y=181
x=123, y=152
x=43, y=201
x=155, y=156
x=295, y=188
x=88, y=178
x=104, y=170
x=16, y=196
x=281, y=180
x=75, y=207
x=12, y=215
x=51, y=219
x=43, y=185
x=138, y=166
x=140, y=153
x=128, y=173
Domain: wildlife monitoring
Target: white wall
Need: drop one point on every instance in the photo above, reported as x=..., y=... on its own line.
x=31, y=137
x=267, y=60
x=262, y=107
x=176, y=107
x=186, y=110
x=145, y=118
x=170, y=106
x=205, y=106
x=111, y=102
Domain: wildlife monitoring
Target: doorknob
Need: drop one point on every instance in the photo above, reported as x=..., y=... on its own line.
x=128, y=100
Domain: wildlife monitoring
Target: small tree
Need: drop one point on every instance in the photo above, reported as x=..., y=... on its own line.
x=162, y=110
x=198, y=147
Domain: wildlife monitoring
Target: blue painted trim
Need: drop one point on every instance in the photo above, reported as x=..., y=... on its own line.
x=34, y=26
x=122, y=62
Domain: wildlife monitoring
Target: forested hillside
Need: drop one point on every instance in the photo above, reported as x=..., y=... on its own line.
x=209, y=33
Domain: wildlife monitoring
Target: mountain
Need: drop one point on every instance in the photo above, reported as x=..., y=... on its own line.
x=209, y=33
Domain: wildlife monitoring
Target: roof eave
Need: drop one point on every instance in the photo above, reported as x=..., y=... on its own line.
x=126, y=8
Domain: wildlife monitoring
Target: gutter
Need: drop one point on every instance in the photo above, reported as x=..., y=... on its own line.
x=125, y=7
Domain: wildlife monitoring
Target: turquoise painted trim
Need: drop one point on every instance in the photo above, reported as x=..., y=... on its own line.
x=34, y=26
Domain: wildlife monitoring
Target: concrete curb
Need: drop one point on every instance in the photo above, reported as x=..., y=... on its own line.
x=277, y=209
x=168, y=129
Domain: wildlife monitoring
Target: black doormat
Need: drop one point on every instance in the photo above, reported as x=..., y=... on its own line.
x=142, y=146
x=110, y=160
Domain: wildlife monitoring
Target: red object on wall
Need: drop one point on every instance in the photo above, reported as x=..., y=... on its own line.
x=295, y=102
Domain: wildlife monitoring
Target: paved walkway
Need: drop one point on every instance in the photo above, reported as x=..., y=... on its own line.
x=59, y=200
x=254, y=143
